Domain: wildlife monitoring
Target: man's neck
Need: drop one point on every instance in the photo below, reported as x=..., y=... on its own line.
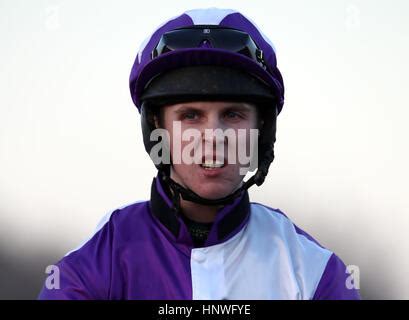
x=199, y=212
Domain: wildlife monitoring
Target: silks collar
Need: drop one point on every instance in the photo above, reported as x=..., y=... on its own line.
x=230, y=219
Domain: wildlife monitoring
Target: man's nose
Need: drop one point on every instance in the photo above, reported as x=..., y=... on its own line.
x=215, y=129
x=214, y=122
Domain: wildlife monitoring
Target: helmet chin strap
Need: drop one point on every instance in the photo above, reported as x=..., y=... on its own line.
x=189, y=195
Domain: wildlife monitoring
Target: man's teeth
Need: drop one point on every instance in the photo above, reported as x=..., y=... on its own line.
x=212, y=164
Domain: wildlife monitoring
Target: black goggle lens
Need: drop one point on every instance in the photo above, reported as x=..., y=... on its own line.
x=221, y=38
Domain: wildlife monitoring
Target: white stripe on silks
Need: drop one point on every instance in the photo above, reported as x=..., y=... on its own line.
x=100, y=225
x=267, y=259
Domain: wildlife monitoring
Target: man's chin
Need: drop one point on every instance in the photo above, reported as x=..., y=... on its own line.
x=212, y=192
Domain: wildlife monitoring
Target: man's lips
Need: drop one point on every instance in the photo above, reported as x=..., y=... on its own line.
x=212, y=163
x=211, y=168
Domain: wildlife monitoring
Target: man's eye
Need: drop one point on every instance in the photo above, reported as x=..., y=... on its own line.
x=190, y=115
x=232, y=115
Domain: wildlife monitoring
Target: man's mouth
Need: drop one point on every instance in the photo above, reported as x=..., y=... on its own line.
x=212, y=164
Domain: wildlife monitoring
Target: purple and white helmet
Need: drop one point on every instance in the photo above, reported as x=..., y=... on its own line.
x=147, y=66
x=209, y=54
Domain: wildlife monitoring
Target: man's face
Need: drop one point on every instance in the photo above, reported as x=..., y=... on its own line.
x=213, y=174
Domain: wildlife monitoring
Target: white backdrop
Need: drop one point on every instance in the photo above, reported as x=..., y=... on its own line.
x=71, y=147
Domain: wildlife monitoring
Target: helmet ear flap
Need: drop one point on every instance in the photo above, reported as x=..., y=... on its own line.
x=267, y=139
x=148, y=125
x=149, y=116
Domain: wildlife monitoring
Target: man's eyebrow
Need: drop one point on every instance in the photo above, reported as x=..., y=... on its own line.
x=238, y=107
x=184, y=108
